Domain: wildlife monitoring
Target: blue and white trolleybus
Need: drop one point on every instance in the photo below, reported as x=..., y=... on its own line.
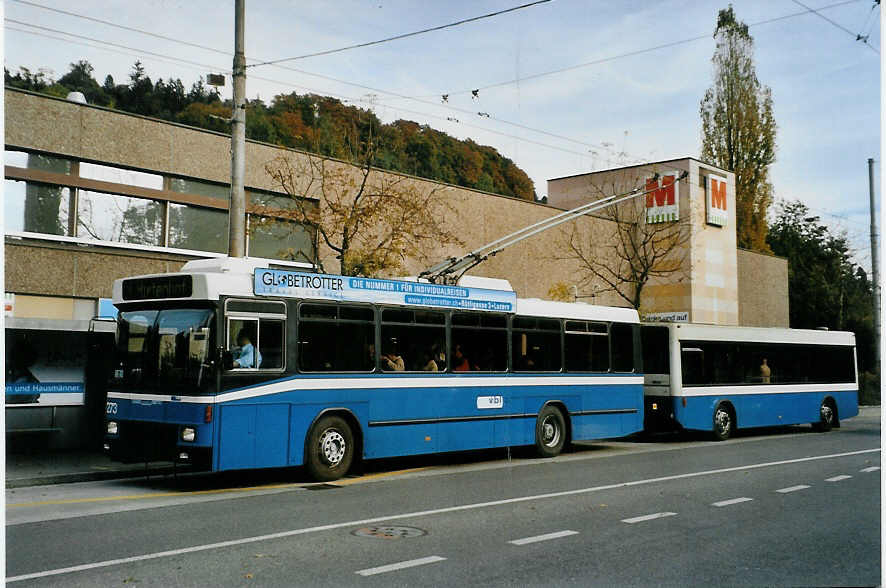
x=232, y=364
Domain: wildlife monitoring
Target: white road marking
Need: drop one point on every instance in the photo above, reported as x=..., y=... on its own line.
x=732, y=501
x=424, y=513
x=838, y=478
x=401, y=566
x=649, y=517
x=871, y=469
x=537, y=538
x=792, y=489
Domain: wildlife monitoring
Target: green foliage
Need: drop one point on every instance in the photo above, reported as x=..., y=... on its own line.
x=826, y=288
x=318, y=124
x=738, y=128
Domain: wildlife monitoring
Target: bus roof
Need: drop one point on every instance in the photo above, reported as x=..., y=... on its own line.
x=210, y=279
x=699, y=332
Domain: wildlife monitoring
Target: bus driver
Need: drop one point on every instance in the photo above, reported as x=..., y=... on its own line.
x=247, y=355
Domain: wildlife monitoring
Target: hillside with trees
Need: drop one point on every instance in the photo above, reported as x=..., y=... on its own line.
x=318, y=124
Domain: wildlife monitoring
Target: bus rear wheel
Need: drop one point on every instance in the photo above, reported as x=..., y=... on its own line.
x=550, y=432
x=330, y=449
x=724, y=422
x=827, y=419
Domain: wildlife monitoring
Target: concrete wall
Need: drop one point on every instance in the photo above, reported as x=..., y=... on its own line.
x=762, y=290
x=77, y=271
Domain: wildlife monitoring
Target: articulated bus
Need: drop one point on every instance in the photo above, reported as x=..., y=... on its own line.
x=718, y=378
x=235, y=364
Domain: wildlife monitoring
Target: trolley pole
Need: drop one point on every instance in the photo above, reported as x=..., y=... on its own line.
x=237, y=211
x=875, y=263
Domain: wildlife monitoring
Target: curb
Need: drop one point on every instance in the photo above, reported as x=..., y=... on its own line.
x=71, y=478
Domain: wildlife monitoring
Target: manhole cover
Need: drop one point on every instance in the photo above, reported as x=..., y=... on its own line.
x=389, y=532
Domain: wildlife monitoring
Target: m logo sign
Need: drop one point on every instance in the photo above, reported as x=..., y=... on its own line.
x=663, y=198
x=717, y=211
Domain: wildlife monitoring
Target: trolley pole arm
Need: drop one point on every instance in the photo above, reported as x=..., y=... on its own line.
x=466, y=262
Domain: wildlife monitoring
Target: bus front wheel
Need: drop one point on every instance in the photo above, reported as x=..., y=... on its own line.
x=550, y=432
x=330, y=449
x=724, y=422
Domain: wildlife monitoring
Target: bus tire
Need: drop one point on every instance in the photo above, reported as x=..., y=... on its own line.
x=550, y=432
x=330, y=449
x=724, y=422
x=827, y=416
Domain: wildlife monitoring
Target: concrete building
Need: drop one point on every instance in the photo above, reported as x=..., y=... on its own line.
x=92, y=194
x=715, y=282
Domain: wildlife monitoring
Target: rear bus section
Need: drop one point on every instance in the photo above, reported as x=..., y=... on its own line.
x=732, y=377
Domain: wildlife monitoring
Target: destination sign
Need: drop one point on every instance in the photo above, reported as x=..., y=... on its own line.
x=159, y=287
x=271, y=282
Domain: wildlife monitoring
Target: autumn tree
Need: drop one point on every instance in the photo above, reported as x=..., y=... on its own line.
x=738, y=128
x=371, y=221
x=633, y=252
x=826, y=287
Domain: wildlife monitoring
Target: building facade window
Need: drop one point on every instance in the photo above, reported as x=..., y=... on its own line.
x=202, y=229
x=119, y=175
x=58, y=196
x=36, y=208
x=280, y=239
x=112, y=217
x=190, y=186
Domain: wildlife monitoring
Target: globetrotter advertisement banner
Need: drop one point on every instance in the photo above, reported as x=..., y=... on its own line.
x=270, y=282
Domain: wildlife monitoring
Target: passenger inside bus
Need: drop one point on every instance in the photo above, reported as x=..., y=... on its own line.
x=245, y=354
x=427, y=362
x=392, y=362
x=460, y=362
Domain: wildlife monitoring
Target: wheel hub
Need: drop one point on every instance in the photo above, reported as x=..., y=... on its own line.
x=723, y=421
x=550, y=433
x=332, y=447
x=827, y=414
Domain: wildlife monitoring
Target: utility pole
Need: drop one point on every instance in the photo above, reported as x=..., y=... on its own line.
x=237, y=211
x=875, y=267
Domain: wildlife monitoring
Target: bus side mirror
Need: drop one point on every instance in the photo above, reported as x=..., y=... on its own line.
x=227, y=360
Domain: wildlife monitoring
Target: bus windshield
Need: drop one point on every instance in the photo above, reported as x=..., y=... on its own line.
x=165, y=350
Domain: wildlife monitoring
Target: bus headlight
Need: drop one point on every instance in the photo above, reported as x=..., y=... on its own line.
x=112, y=427
x=189, y=434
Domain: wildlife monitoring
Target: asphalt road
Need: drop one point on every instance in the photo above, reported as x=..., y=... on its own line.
x=774, y=508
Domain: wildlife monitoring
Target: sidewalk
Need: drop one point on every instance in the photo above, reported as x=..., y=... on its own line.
x=64, y=467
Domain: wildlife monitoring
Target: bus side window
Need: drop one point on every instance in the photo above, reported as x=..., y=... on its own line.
x=622, y=345
x=270, y=339
x=242, y=340
x=255, y=343
x=693, y=366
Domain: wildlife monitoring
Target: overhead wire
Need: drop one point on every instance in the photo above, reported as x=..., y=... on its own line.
x=627, y=54
x=858, y=36
x=455, y=109
x=402, y=36
x=120, y=26
x=365, y=87
x=109, y=43
x=170, y=59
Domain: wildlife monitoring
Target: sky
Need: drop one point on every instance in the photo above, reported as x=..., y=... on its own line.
x=635, y=74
